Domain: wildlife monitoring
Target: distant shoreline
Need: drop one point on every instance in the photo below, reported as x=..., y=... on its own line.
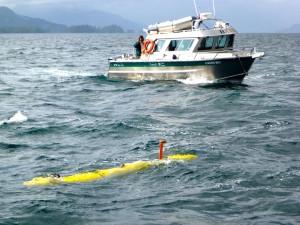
x=73, y=29
x=10, y=22
x=246, y=33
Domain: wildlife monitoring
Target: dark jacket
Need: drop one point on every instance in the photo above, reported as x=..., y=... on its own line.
x=138, y=49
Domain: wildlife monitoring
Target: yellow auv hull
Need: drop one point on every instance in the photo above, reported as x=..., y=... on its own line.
x=85, y=177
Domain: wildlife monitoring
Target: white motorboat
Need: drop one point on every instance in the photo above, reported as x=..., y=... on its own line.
x=192, y=47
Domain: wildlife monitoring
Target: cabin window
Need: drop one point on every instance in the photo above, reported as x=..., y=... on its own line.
x=185, y=45
x=206, y=43
x=159, y=45
x=201, y=44
x=173, y=45
x=209, y=43
x=230, y=41
x=180, y=45
x=221, y=42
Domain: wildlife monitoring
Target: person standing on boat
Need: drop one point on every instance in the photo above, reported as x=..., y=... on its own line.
x=139, y=46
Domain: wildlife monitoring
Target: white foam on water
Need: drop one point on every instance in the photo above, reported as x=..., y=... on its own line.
x=259, y=76
x=18, y=117
x=57, y=73
x=67, y=73
x=195, y=81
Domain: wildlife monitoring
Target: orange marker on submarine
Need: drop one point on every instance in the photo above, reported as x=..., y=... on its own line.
x=96, y=175
x=161, y=148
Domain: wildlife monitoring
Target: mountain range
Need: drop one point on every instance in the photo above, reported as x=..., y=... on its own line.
x=65, y=21
x=77, y=16
x=11, y=22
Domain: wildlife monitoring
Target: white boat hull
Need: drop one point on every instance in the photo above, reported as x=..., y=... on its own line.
x=222, y=70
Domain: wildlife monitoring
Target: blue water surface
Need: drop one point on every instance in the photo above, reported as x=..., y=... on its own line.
x=246, y=136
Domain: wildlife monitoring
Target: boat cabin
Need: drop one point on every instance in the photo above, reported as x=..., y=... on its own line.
x=221, y=42
x=191, y=35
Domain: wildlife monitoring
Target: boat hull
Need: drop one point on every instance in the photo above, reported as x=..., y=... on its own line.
x=231, y=70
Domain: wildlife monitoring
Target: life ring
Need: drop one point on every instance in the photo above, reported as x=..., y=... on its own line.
x=149, y=46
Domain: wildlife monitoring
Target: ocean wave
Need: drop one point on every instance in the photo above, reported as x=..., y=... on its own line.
x=18, y=117
x=5, y=145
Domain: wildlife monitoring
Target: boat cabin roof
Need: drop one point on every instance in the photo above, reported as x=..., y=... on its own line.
x=190, y=27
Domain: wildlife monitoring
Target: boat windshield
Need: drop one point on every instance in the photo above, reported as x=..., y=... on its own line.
x=180, y=45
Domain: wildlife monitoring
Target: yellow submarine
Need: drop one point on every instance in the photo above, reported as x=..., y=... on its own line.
x=127, y=168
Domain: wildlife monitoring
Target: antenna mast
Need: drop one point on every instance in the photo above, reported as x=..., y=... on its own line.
x=196, y=8
x=214, y=8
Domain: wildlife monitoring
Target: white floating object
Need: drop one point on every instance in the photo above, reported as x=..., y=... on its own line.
x=17, y=118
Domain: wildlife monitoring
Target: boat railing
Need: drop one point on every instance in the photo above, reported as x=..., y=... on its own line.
x=230, y=50
x=239, y=52
x=124, y=56
x=246, y=50
x=190, y=29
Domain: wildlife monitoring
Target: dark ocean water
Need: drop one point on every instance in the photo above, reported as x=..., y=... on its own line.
x=247, y=137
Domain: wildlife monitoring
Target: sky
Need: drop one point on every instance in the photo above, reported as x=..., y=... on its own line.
x=245, y=15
